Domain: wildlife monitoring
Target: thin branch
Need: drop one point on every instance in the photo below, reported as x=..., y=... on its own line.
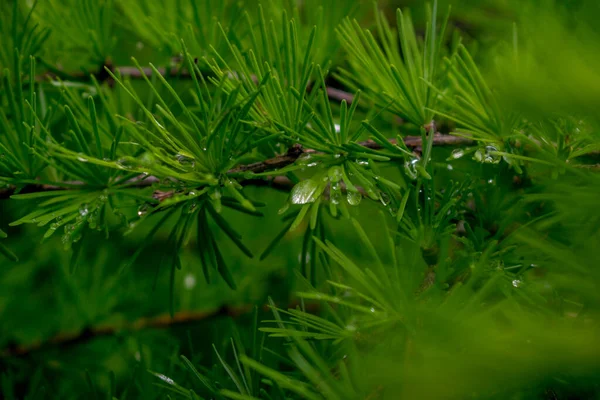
x=163, y=321
x=339, y=95
x=277, y=182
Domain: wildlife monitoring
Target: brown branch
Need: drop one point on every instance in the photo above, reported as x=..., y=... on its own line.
x=278, y=182
x=339, y=95
x=163, y=321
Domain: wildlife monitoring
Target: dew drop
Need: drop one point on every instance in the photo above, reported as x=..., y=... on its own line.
x=335, y=174
x=336, y=193
x=516, y=283
x=192, y=207
x=384, y=198
x=81, y=157
x=307, y=257
x=83, y=211
x=457, y=153
x=353, y=198
x=304, y=159
x=185, y=160
x=143, y=210
x=410, y=167
x=165, y=379
x=487, y=156
x=125, y=163
x=189, y=281
x=304, y=192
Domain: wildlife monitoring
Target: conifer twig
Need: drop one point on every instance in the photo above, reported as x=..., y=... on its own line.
x=412, y=142
x=163, y=321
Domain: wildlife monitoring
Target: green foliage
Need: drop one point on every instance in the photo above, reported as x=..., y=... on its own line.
x=468, y=270
x=396, y=79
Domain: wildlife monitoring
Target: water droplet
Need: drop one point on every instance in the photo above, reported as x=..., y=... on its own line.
x=457, y=153
x=410, y=167
x=81, y=157
x=305, y=192
x=450, y=167
x=335, y=194
x=351, y=327
x=384, y=198
x=83, y=211
x=338, y=128
x=138, y=356
x=192, y=207
x=192, y=193
x=185, y=160
x=516, y=283
x=304, y=159
x=189, y=281
x=93, y=219
x=143, y=210
x=139, y=46
x=487, y=155
x=372, y=309
x=491, y=182
x=147, y=159
x=353, y=198
x=362, y=162
x=307, y=257
x=126, y=163
x=335, y=174
x=165, y=379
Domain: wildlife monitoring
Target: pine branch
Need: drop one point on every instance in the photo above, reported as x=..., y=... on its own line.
x=278, y=182
x=163, y=321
